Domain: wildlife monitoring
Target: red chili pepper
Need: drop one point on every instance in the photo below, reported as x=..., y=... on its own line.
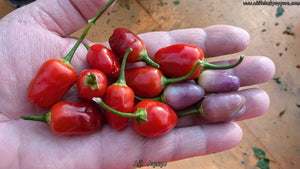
x=69, y=118
x=53, y=80
x=148, y=81
x=120, y=97
x=177, y=60
x=91, y=83
x=56, y=76
x=123, y=39
x=102, y=58
x=161, y=118
x=151, y=118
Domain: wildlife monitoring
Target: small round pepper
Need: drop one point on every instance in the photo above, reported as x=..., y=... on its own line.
x=123, y=39
x=151, y=118
x=120, y=97
x=177, y=60
x=148, y=81
x=91, y=83
x=102, y=58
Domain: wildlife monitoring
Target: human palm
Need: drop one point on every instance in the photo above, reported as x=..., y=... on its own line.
x=37, y=32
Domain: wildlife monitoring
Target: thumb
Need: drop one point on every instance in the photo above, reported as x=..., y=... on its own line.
x=62, y=17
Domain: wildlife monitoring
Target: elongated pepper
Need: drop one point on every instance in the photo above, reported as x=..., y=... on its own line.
x=71, y=118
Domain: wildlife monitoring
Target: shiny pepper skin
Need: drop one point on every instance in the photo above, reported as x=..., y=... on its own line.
x=53, y=80
x=160, y=118
x=91, y=83
x=102, y=58
x=177, y=60
x=75, y=118
x=71, y=118
x=145, y=81
x=149, y=81
x=120, y=98
x=123, y=39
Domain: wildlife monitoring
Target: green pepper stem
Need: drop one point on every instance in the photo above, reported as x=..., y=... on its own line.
x=43, y=118
x=138, y=115
x=69, y=56
x=158, y=98
x=145, y=57
x=121, y=79
x=143, y=115
x=166, y=81
x=206, y=65
x=198, y=111
x=86, y=46
x=91, y=80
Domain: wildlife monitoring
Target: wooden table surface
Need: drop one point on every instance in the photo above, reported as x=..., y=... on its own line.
x=278, y=136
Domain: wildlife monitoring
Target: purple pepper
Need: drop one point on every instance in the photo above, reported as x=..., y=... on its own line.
x=214, y=81
x=230, y=107
x=180, y=95
x=219, y=108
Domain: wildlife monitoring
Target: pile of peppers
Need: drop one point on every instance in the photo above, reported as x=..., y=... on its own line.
x=175, y=79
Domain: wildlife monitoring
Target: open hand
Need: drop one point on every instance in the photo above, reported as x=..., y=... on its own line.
x=37, y=32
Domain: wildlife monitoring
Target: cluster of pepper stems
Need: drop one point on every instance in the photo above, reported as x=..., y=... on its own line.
x=153, y=115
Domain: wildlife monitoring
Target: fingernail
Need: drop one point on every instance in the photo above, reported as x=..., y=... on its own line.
x=238, y=113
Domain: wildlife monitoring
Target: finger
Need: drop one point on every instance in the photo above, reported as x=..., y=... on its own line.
x=62, y=17
x=240, y=105
x=214, y=40
x=191, y=141
x=252, y=70
x=257, y=103
x=110, y=148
